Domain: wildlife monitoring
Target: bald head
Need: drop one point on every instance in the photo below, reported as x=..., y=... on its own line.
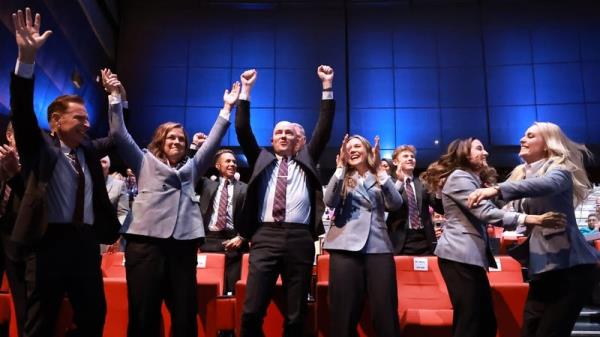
x=284, y=138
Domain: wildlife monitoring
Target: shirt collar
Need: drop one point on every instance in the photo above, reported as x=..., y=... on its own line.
x=533, y=168
x=65, y=149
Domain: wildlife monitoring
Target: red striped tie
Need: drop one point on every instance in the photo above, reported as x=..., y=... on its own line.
x=280, y=191
x=413, y=210
x=223, y=202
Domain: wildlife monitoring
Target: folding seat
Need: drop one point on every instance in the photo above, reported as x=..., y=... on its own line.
x=423, y=302
x=509, y=293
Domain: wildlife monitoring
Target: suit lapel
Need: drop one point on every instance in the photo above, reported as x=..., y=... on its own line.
x=236, y=193
x=363, y=188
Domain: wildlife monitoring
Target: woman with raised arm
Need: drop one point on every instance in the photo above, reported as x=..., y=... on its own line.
x=463, y=249
x=162, y=238
x=562, y=265
x=358, y=242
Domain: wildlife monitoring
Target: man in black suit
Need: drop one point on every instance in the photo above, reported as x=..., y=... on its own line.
x=221, y=204
x=411, y=230
x=65, y=211
x=283, y=209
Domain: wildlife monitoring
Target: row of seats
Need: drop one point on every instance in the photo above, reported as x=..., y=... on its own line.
x=424, y=306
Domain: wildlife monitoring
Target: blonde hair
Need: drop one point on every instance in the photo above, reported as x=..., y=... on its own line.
x=562, y=153
x=372, y=165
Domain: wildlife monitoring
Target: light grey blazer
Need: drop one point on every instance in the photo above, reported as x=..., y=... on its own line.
x=547, y=248
x=166, y=204
x=117, y=194
x=359, y=223
x=465, y=236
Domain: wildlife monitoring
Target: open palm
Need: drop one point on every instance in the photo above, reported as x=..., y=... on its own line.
x=27, y=34
x=230, y=97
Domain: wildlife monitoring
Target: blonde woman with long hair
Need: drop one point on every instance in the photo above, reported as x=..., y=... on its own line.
x=463, y=250
x=358, y=242
x=562, y=266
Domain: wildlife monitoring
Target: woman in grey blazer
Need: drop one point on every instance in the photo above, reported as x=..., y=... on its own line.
x=562, y=265
x=361, y=259
x=463, y=249
x=166, y=226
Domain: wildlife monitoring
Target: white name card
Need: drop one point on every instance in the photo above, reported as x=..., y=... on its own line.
x=420, y=264
x=201, y=261
x=498, y=264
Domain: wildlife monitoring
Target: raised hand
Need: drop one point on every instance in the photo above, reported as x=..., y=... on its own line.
x=248, y=78
x=376, y=150
x=326, y=75
x=9, y=161
x=341, y=159
x=231, y=97
x=113, y=86
x=27, y=34
x=199, y=138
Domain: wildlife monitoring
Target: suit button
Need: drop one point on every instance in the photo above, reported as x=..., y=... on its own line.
x=164, y=187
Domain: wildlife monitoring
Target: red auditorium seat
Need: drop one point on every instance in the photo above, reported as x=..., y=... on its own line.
x=423, y=302
x=7, y=311
x=509, y=293
x=115, y=292
x=273, y=322
x=210, y=277
x=113, y=265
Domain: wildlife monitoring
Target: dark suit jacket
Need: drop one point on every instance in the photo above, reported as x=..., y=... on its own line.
x=397, y=221
x=259, y=159
x=207, y=189
x=38, y=153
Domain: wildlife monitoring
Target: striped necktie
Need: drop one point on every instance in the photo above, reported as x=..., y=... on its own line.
x=280, y=191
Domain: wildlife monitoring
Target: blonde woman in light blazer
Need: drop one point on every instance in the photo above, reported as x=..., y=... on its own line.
x=361, y=251
x=561, y=264
x=163, y=235
x=464, y=249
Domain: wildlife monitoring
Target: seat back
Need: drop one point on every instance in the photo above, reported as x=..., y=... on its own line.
x=113, y=265
x=509, y=271
x=211, y=270
x=323, y=268
x=420, y=284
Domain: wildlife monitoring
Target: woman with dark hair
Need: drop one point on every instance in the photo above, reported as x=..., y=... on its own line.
x=562, y=266
x=387, y=165
x=463, y=249
x=166, y=225
x=361, y=251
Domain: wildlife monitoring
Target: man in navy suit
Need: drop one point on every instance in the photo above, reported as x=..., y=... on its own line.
x=65, y=211
x=282, y=211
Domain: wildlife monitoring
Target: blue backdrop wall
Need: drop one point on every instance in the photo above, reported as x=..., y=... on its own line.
x=423, y=73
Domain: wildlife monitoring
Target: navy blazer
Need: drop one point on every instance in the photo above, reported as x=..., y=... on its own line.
x=38, y=154
x=259, y=159
x=397, y=221
x=207, y=189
